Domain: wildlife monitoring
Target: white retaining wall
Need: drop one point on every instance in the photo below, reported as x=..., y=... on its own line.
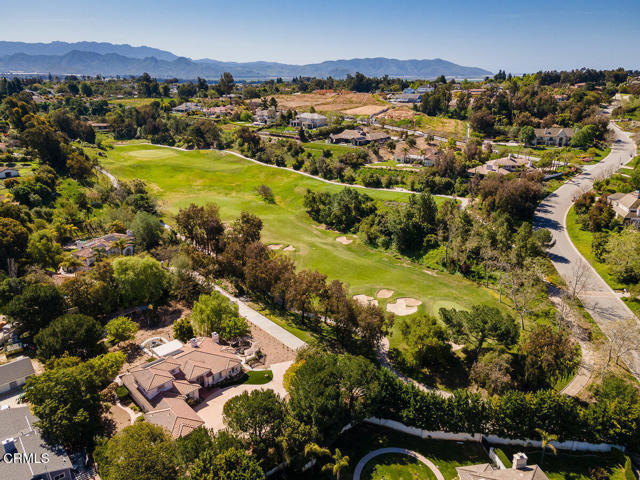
x=477, y=437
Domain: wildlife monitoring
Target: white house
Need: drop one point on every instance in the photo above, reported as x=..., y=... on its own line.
x=557, y=136
x=309, y=121
x=626, y=206
x=14, y=374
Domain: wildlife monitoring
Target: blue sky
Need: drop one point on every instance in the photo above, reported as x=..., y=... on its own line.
x=514, y=35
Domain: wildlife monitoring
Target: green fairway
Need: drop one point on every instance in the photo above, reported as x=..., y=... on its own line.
x=180, y=178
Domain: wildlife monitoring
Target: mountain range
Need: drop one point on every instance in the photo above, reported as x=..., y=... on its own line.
x=93, y=58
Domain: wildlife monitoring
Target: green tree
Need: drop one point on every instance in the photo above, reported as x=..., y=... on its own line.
x=480, y=324
x=66, y=398
x=215, y=313
x=147, y=229
x=225, y=84
x=426, y=342
x=141, y=451
x=584, y=137
x=258, y=415
x=337, y=464
x=140, y=280
x=43, y=250
x=623, y=255
x=231, y=464
x=13, y=240
x=182, y=329
x=527, y=135
x=76, y=335
x=35, y=307
x=121, y=329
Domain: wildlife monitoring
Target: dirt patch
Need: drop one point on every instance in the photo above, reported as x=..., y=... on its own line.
x=344, y=240
x=275, y=246
x=429, y=272
x=290, y=248
x=365, y=300
x=404, y=306
x=274, y=351
x=119, y=417
x=366, y=110
x=331, y=102
x=384, y=293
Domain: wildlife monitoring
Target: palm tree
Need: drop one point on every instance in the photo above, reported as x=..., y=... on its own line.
x=547, y=438
x=315, y=451
x=338, y=463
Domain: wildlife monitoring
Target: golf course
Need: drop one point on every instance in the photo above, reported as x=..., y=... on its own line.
x=179, y=178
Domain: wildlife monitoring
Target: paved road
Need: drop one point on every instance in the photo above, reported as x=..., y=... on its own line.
x=381, y=451
x=602, y=303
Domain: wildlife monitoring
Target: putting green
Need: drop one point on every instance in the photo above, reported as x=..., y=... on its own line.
x=180, y=178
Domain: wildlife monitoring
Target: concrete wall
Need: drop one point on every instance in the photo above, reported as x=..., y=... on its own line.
x=477, y=437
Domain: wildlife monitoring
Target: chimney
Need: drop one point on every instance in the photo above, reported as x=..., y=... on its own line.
x=519, y=461
x=215, y=337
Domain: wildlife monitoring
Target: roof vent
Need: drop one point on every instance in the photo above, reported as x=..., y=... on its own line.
x=194, y=342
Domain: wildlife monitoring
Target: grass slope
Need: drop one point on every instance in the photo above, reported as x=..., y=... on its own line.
x=180, y=178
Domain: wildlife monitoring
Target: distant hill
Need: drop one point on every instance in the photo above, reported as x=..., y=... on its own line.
x=90, y=58
x=62, y=48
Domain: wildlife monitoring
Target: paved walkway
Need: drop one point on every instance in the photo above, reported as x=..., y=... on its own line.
x=381, y=451
x=259, y=320
x=602, y=303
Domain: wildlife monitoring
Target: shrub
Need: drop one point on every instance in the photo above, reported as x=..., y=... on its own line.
x=122, y=393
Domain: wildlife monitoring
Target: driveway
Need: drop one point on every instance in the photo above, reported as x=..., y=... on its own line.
x=598, y=298
x=11, y=398
x=210, y=410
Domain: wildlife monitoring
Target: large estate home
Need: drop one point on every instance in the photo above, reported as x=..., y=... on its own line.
x=187, y=107
x=166, y=388
x=107, y=245
x=407, y=98
x=626, y=206
x=266, y=116
x=309, y=121
x=358, y=137
x=519, y=471
x=556, y=136
x=502, y=166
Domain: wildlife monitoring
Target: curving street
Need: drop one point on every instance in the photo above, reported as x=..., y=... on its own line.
x=602, y=303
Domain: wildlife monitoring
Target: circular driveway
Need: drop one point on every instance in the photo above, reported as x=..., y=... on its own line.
x=381, y=451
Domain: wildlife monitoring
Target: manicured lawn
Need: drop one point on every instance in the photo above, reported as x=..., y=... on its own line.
x=582, y=240
x=572, y=465
x=257, y=377
x=180, y=178
x=446, y=455
x=394, y=466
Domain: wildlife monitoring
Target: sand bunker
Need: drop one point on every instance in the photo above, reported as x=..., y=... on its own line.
x=365, y=300
x=276, y=246
x=404, y=306
x=384, y=293
x=344, y=240
x=290, y=248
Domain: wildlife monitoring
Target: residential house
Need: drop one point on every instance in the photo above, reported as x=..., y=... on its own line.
x=358, y=137
x=164, y=388
x=309, y=121
x=266, y=117
x=425, y=89
x=556, y=136
x=218, y=111
x=407, y=98
x=87, y=250
x=100, y=127
x=426, y=160
x=15, y=373
x=518, y=471
x=408, y=91
x=502, y=166
x=25, y=455
x=626, y=206
x=9, y=172
x=187, y=107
